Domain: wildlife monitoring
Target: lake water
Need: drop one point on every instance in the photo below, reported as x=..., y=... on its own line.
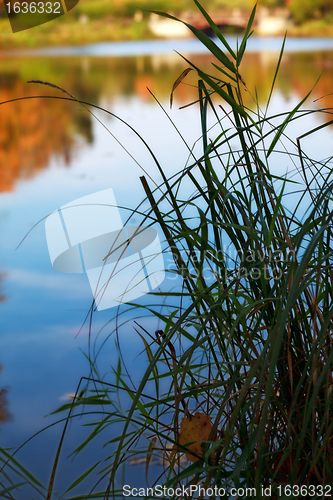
x=53, y=152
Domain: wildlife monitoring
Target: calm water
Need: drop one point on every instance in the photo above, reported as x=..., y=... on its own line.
x=53, y=152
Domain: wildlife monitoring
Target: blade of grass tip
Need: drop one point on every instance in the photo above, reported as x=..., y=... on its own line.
x=312, y=131
x=292, y=113
x=206, y=41
x=275, y=74
x=246, y=36
x=81, y=478
x=216, y=30
x=284, y=124
x=4, y=493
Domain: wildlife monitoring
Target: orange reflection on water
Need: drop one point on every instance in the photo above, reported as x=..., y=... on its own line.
x=35, y=131
x=31, y=132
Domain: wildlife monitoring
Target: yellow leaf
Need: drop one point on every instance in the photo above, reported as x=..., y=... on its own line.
x=195, y=430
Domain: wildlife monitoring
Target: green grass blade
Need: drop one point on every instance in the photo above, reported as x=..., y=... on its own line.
x=215, y=29
x=246, y=36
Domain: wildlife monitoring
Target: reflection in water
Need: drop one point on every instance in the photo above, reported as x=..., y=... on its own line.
x=33, y=132
x=4, y=414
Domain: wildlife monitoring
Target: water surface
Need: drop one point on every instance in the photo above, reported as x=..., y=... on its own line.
x=53, y=151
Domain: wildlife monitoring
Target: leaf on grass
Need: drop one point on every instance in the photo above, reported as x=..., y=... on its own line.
x=177, y=82
x=195, y=430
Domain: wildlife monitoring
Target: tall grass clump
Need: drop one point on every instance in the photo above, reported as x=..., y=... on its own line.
x=237, y=392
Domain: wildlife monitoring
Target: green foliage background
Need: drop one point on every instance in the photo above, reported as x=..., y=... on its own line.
x=93, y=21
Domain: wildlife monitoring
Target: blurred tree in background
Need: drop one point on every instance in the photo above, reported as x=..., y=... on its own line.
x=304, y=10
x=301, y=10
x=129, y=20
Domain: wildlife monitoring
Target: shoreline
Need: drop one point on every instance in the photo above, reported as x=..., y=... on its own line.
x=68, y=34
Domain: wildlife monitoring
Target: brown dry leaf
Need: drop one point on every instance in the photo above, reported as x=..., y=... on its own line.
x=177, y=82
x=194, y=430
